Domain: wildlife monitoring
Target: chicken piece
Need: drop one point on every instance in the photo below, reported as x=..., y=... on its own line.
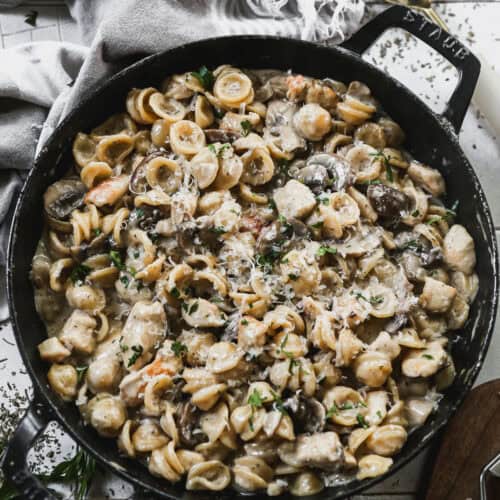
x=144, y=329
x=108, y=192
x=322, y=450
x=458, y=249
x=294, y=200
x=436, y=296
x=78, y=332
x=53, y=350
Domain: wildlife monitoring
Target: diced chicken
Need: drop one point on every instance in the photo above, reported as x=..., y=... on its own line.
x=322, y=450
x=429, y=178
x=458, y=249
x=144, y=329
x=294, y=200
x=78, y=332
x=104, y=371
x=436, y=296
x=108, y=192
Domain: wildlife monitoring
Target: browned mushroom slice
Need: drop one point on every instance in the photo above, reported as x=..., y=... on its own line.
x=62, y=197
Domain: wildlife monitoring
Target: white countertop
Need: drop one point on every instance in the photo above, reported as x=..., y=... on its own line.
x=475, y=23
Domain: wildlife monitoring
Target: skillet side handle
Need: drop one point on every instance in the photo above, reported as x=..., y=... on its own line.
x=448, y=46
x=14, y=459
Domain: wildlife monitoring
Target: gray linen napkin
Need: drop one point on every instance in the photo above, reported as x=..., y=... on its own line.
x=43, y=76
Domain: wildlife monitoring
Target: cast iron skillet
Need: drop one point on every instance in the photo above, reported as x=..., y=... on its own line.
x=431, y=138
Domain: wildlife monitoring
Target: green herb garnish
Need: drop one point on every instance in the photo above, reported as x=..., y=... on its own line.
x=361, y=421
x=278, y=403
x=79, y=273
x=193, y=308
x=246, y=127
x=138, y=349
x=293, y=277
x=80, y=372
x=255, y=401
x=179, y=349
x=244, y=322
x=323, y=250
x=205, y=77
x=218, y=230
x=175, y=292
x=116, y=260
x=427, y=356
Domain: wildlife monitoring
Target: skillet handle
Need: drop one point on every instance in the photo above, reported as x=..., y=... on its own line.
x=14, y=459
x=448, y=46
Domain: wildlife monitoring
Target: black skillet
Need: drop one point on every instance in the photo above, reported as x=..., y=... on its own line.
x=431, y=138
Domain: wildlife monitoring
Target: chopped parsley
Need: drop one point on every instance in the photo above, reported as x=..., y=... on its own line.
x=81, y=371
x=278, y=403
x=333, y=410
x=323, y=201
x=139, y=213
x=415, y=213
x=205, y=77
x=175, y=292
x=79, y=273
x=125, y=281
x=244, y=322
x=379, y=414
x=388, y=170
x=193, y=308
x=361, y=421
x=427, y=356
x=137, y=349
x=246, y=127
x=116, y=259
x=317, y=225
x=97, y=231
x=450, y=214
x=323, y=250
x=219, y=230
x=272, y=204
x=414, y=245
x=255, y=401
x=376, y=299
x=211, y=148
x=293, y=277
x=179, y=349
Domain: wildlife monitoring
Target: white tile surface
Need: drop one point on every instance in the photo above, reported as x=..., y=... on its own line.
x=476, y=24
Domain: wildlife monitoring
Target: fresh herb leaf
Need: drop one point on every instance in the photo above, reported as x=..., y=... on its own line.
x=175, y=292
x=205, y=77
x=370, y=182
x=272, y=204
x=219, y=113
x=434, y=219
x=244, y=322
x=193, y=308
x=116, y=260
x=246, y=127
x=79, y=470
x=80, y=372
x=427, y=356
x=79, y=273
x=125, y=281
x=415, y=213
x=293, y=277
x=317, y=225
x=333, y=410
x=218, y=230
x=361, y=421
x=376, y=299
x=179, y=349
x=388, y=171
x=255, y=401
x=278, y=403
x=138, y=349
x=385, y=159
x=211, y=148
x=379, y=414
x=414, y=245
x=31, y=17
x=322, y=200
x=323, y=250
x=97, y=231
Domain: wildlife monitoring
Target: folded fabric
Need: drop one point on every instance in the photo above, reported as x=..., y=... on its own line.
x=51, y=75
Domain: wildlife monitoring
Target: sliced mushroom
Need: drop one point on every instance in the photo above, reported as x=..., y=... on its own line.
x=188, y=417
x=387, y=201
x=219, y=135
x=308, y=414
x=62, y=197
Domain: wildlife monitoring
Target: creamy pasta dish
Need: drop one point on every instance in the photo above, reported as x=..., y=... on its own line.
x=249, y=283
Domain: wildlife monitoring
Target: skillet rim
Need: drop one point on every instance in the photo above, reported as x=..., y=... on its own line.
x=354, y=486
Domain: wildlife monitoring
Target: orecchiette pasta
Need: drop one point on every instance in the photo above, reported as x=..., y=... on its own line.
x=247, y=281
